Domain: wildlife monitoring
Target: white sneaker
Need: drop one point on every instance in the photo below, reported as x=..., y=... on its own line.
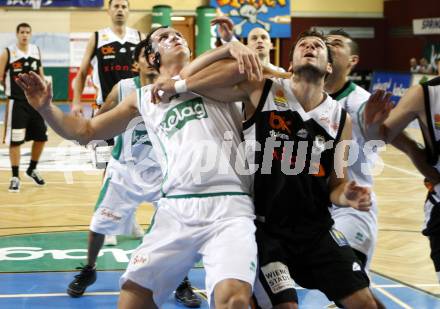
x=137, y=232
x=110, y=240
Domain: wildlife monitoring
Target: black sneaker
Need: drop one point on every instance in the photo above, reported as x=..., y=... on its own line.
x=14, y=185
x=184, y=294
x=36, y=177
x=86, y=277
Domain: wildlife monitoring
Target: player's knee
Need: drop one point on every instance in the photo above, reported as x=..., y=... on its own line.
x=232, y=294
x=238, y=301
x=360, y=300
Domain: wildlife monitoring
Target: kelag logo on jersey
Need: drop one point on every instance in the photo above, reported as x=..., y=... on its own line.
x=176, y=118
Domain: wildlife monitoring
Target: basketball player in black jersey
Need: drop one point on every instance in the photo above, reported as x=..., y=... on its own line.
x=294, y=227
x=23, y=123
x=421, y=102
x=109, y=52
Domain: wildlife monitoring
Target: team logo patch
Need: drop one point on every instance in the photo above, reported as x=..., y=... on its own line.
x=437, y=121
x=302, y=133
x=356, y=267
x=277, y=277
x=280, y=98
x=110, y=214
x=338, y=237
x=17, y=65
x=177, y=117
x=107, y=50
x=318, y=144
x=278, y=122
x=139, y=259
x=140, y=137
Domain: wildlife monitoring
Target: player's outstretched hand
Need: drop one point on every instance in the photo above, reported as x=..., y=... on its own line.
x=357, y=197
x=377, y=108
x=38, y=91
x=248, y=61
x=225, y=27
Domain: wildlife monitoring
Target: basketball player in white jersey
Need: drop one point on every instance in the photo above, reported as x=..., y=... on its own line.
x=258, y=40
x=124, y=186
x=421, y=102
x=203, y=213
x=109, y=52
x=132, y=177
x=360, y=228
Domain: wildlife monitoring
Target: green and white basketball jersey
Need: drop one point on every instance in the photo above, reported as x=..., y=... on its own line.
x=197, y=145
x=134, y=144
x=352, y=99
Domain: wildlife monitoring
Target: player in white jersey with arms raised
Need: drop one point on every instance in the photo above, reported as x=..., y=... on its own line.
x=125, y=186
x=204, y=213
x=132, y=177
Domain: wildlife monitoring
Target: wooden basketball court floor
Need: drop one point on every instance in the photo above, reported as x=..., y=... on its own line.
x=61, y=211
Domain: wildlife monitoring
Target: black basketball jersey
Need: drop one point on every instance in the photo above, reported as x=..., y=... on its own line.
x=20, y=62
x=113, y=59
x=296, y=157
x=431, y=92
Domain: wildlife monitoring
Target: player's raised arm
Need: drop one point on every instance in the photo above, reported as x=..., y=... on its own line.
x=74, y=126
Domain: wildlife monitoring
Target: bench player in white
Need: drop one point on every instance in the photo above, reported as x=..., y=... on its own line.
x=203, y=213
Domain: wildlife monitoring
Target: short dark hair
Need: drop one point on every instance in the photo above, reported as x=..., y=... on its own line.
x=138, y=49
x=354, y=47
x=23, y=25
x=110, y=2
x=309, y=33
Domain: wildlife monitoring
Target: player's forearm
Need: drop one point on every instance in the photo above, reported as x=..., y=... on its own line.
x=205, y=60
x=69, y=126
x=221, y=74
x=78, y=87
x=416, y=153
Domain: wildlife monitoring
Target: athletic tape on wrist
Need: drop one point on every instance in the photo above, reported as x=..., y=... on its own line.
x=180, y=86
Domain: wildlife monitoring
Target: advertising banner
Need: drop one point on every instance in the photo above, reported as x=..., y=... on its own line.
x=396, y=83
x=426, y=26
x=52, y=3
x=273, y=16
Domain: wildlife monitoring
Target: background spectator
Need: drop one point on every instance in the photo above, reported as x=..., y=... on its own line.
x=425, y=67
x=413, y=66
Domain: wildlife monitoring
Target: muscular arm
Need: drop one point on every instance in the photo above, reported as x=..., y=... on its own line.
x=410, y=107
x=102, y=127
x=111, y=101
x=74, y=126
x=221, y=81
x=3, y=63
x=80, y=78
x=417, y=155
x=247, y=60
